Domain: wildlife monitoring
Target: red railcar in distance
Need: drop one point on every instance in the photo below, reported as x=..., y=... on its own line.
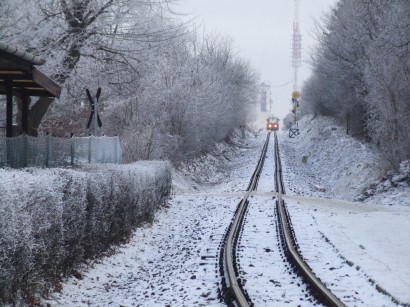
x=272, y=126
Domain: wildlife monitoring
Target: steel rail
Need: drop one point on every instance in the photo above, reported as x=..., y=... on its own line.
x=229, y=250
x=325, y=295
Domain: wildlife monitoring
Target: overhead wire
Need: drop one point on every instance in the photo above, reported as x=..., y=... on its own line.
x=287, y=83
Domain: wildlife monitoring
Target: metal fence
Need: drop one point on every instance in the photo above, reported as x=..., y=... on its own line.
x=48, y=151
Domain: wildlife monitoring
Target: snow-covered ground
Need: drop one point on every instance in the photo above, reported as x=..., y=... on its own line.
x=173, y=261
x=356, y=248
x=370, y=241
x=323, y=162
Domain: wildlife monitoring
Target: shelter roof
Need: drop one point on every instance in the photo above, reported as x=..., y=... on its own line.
x=17, y=70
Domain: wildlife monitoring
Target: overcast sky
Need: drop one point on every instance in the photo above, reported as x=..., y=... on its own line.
x=262, y=33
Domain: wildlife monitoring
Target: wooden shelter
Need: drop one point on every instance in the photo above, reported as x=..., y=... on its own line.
x=19, y=77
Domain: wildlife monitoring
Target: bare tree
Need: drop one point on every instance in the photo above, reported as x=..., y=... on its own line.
x=76, y=35
x=361, y=72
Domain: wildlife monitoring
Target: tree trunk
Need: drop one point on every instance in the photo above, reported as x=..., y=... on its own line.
x=37, y=113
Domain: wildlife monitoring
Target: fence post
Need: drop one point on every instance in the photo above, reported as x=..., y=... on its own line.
x=116, y=150
x=25, y=153
x=48, y=149
x=89, y=148
x=72, y=149
x=9, y=152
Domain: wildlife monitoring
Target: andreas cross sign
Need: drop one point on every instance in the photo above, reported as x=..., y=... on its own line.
x=94, y=111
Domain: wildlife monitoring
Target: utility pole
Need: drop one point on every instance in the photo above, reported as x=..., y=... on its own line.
x=296, y=64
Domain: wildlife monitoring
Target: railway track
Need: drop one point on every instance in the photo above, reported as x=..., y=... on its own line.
x=318, y=287
x=233, y=290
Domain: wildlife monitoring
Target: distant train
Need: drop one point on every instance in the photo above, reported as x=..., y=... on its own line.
x=272, y=124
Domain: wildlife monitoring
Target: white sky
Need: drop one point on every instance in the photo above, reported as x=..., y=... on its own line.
x=262, y=33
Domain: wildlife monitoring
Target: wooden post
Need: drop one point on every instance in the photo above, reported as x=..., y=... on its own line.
x=9, y=109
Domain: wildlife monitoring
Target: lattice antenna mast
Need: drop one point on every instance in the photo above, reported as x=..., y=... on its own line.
x=296, y=63
x=296, y=48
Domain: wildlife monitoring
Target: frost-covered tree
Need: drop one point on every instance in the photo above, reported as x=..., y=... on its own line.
x=361, y=72
x=83, y=40
x=165, y=92
x=388, y=79
x=337, y=87
x=194, y=95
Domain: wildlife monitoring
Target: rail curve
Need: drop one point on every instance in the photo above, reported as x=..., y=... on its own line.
x=234, y=291
x=318, y=287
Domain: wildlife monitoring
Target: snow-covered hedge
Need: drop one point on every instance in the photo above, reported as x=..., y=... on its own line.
x=53, y=219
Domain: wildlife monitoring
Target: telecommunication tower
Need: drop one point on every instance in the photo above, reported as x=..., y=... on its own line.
x=296, y=64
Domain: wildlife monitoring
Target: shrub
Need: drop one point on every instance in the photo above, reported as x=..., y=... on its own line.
x=53, y=219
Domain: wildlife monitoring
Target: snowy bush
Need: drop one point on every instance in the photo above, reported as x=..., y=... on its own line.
x=53, y=219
